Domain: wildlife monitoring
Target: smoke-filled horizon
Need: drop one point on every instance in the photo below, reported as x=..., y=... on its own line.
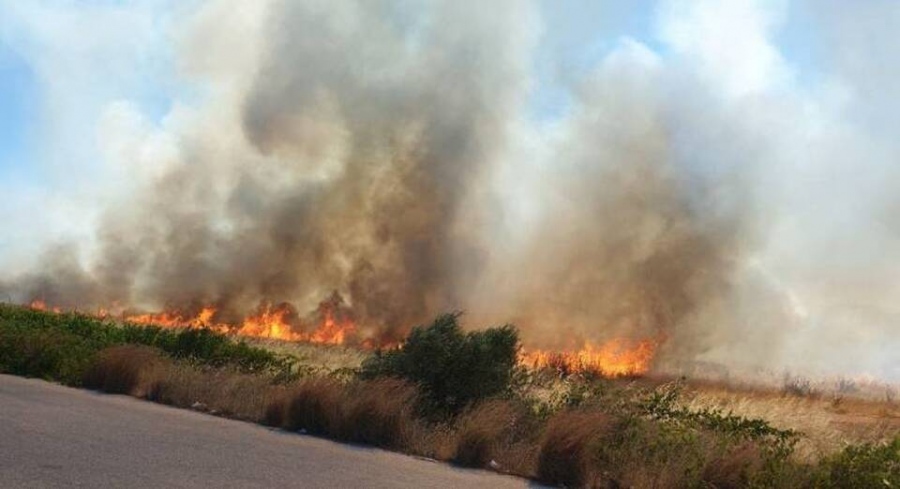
x=708, y=187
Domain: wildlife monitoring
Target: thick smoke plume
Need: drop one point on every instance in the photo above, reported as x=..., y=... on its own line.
x=389, y=151
x=346, y=162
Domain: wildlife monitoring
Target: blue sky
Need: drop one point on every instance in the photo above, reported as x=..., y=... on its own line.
x=577, y=35
x=61, y=63
x=19, y=98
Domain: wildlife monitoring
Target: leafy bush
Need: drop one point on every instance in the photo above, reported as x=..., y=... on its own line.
x=452, y=368
x=649, y=453
x=42, y=353
x=661, y=404
x=867, y=465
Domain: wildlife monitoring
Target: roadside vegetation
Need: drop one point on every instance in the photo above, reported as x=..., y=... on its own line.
x=61, y=346
x=450, y=395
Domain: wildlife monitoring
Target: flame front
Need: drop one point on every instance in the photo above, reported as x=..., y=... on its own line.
x=174, y=319
x=332, y=323
x=615, y=358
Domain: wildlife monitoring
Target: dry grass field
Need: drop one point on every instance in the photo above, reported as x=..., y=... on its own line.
x=829, y=420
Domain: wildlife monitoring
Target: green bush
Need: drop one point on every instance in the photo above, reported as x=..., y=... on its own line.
x=452, y=368
x=867, y=465
x=42, y=353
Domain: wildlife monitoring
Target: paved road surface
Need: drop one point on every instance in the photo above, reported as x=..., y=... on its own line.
x=53, y=436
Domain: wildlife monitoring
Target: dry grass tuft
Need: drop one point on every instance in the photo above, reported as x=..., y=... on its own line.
x=482, y=431
x=276, y=409
x=218, y=391
x=734, y=467
x=122, y=369
x=378, y=412
x=567, y=444
x=313, y=405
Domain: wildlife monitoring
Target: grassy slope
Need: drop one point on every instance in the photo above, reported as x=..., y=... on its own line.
x=550, y=428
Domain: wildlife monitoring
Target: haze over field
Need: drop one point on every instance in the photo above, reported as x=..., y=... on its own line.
x=718, y=176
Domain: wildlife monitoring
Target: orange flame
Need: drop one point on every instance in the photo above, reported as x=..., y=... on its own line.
x=270, y=322
x=333, y=322
x=332, y=331
x=175, y=319
x=39, y=305
x=615, y=358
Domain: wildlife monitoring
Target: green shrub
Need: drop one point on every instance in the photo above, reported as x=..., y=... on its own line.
x=867, y=465
x=452, y=368
x=650, y=453
x=661, y=404
x=44, y=354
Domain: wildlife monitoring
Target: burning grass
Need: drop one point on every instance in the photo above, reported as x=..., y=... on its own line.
x=331, y=323
x=615, y=358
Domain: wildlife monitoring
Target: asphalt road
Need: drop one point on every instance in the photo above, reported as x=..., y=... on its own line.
x=54, y=436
